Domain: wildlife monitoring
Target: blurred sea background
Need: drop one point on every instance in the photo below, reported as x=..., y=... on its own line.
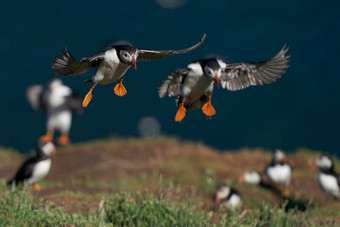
x=301, y=109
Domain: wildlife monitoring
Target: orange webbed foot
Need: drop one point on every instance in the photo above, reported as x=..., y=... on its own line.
x=36, y=187
x=208, y=109
x=120, y=90
x=63, y=140
x=88, y=97
x=48, y=137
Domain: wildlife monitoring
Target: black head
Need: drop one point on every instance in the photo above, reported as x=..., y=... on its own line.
x=127, y=54
x=212, y=69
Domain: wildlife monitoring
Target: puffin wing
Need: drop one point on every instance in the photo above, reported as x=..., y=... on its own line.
x=68, y=65
x=242, y=75
x=173, y=84
x=25, y=171
x=34, y=96
x=74, y=102
x=148, y=55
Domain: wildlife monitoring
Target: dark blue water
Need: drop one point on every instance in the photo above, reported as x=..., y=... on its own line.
x=302, y=109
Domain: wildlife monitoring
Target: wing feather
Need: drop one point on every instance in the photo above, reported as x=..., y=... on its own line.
x=147, y=55
x=173, y=84
x=68, y=65
x=242, y=75
x=34, y=96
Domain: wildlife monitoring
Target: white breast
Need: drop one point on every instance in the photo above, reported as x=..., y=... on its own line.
x=60, y=120
x=329, y=184
x=40, y=171
x=110, y=69
x=56, y=97
x=233, y=202
x=279, y=174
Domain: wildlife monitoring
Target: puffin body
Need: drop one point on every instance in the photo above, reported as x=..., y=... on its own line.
x=279, y=171
x=59, y=102
x=227, y=197
x=35, y=168
x=251, y=177
x=112, y=64
x=328, y=179
x=194, y=84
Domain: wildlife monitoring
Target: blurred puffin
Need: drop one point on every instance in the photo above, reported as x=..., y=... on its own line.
x=34, y=168
x=254, y=178
x=279, y=171
x=58, y=101
x=227, y=197
x=112, y=64
x=328, y=179
x=194, y=85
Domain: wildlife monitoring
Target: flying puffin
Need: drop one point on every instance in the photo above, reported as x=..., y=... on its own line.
x=34, y=168
x=58, y=101
x=111, y=64
x=227, y=197
x=194, y=85
x=279, y=171
x=328, y=179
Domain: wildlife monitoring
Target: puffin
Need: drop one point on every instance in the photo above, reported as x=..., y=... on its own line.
x=111, y=64
x=194, y=84
x=251, y=177
x=35, y=168
x=59, y=101
x=328, y=179
x=227, y=197
x=279, y=171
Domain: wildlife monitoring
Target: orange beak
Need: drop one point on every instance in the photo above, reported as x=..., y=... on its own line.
x=240, y=179
x=134, y=62
x=217, y=81
x=312, y=166
x=54, y=150
x=217, y=199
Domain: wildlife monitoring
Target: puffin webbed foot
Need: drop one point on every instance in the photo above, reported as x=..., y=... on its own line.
x=119, y=89
x=182, y=111
x=36, y=187
x=208, y=109
x=88, y=97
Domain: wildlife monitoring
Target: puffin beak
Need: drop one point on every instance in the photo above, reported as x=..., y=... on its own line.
x=217, y=199
x=312, y=166
x=134, y=62
x=240, y=179
x=217, y=81
x=54, y=150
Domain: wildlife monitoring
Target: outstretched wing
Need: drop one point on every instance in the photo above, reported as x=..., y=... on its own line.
x=74, y=102
x=147, y=55
x=173, y=84
x=242, y=75
x=34, y=96
x=68, y=65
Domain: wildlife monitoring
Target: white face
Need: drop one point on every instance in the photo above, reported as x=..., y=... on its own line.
x=324, y=162
x=48, y=148
x=223, y=192
x=126, y=57
x=279, y=156
x=55, y=83
x=209, y=72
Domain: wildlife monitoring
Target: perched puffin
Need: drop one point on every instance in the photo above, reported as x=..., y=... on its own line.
x=251, y=177
x=194, y=85
x=58, y=101
x=34, y=168
x=111, y=64
x=279, y=171
x=328, y=179
x=227, y=197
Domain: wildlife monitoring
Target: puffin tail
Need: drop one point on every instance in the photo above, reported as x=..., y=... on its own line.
x=88, y=81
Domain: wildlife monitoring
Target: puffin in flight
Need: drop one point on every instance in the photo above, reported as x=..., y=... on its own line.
x=111, y=64
x=328, y=179
x=194, y=85
x=59, y=102
x=35, y=168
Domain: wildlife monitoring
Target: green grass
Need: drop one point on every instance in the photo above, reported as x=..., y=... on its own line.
x=123, y=209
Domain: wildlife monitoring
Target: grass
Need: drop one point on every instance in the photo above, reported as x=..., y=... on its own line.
x=123, y=209
x=159, y=182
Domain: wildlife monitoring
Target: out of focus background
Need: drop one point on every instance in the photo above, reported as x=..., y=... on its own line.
x=300, y=110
